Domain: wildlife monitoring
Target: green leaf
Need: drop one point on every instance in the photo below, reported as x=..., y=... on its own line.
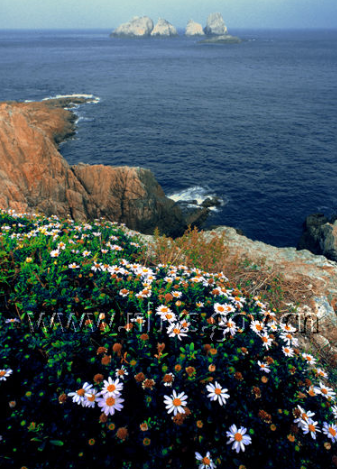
x=57, y=442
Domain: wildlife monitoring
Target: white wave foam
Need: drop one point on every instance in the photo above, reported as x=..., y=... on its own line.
x=95, y=99
x=197, y=193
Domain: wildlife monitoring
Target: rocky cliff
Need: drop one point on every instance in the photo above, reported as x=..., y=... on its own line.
x=137, y=27
x=34, y=175
x=215, y=25
x=164, y=28
x=194, y=29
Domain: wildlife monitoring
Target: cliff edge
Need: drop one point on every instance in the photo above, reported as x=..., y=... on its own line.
x=34, y=175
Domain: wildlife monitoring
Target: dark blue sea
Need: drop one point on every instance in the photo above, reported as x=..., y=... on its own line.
x=254, y=123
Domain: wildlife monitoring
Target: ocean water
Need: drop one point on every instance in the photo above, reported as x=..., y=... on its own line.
x=254, y=124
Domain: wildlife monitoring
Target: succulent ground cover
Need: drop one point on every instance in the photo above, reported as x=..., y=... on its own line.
x=110, y=363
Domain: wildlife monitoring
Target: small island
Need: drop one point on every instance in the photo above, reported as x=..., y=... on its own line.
x=215, y=31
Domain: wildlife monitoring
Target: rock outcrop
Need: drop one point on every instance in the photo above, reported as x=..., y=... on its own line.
x=164, y=28
x=137, y=27
x=320, y=236
x=225, y=39
x=313, y=279
x=34, y=176
x=215, y=25
x=194, y=29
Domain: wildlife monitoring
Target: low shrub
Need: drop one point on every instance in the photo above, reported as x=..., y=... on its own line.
x=107, y=362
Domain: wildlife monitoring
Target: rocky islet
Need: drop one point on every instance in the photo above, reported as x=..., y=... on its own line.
x=216, y=31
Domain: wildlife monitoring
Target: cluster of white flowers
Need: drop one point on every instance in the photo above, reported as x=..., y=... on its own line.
x=108, y=399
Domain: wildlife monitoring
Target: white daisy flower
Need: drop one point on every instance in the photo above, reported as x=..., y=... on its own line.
x=109, y=404
x=325, y=391
x=111, y=388
x=320, y=372
x=289, y=339
x=288, y=351
x=11, y=321
x=91, y=399
x=176, y=294
x=330, y=430
x=217, y=392
x=121, y=372
x=309, y=426
x=176, y=330
x=55, y=253
x=168, y=316
x=238, y=437
x=86, y=253
x=288, y=328
x=162, y=309
x=206, y=461
x=309, y=358
x=304, y=417
x=223, y=309
x=175, y=403
x=5, y=373
x=266, y=340
x=73, y=266
x=263, y=367
x=229, y=327
x=258, y=327
x=80, y=395
x=124, y=292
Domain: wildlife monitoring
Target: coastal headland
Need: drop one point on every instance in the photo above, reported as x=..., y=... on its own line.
x=35, y=177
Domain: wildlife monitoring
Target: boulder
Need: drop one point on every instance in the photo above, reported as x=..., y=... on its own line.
x=319, y=236
x=194, y=29
x=35, y=177
x=137, y=27
x=215, y=25
x=164, y=28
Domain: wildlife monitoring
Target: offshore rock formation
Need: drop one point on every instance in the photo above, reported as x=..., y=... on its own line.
x=34, y=176
x=215, y=25
x=137, y=27
x=225, y=39
x=164, y=28
x=194, y=29
x=320, y=236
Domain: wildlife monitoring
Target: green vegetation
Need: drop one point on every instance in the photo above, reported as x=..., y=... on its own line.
x=108, y=362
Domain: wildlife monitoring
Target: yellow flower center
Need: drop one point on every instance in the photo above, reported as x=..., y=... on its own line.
x=312, y=428
x=265, y=339
x=238, y=437
x=110, y=401
x=324, y=391
x=168, y=316
x=111, y=388
x=81, y=392
x=221, y=309
x=176, y=402
x=332, y=431
x=176, y=331
x=304, y=416
x=259, y=327
x=2, y=373
x=164, y=309
x=91, y=398
x=206, y=461
x=217, y=391
x=289, y=336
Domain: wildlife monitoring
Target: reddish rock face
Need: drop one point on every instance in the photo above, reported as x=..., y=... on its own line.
x=34, y=176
